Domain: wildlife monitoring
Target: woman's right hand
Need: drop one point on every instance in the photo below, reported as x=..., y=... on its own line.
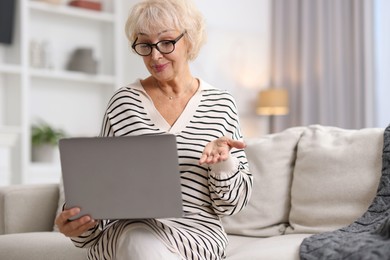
x=75, y=227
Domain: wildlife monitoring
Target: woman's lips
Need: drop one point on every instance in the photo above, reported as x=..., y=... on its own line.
x=160, y=67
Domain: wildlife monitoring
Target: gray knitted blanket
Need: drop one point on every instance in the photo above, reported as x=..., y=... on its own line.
x=366, y=238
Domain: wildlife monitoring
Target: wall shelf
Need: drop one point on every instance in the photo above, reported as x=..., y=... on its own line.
x=10, y=69
x=72, y=76
x=71, y=11
x=31, y=90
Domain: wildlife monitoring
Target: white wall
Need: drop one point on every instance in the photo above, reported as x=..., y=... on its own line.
x=236, y=56
x=382, y=43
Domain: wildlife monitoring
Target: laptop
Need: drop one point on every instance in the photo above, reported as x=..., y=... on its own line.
x=128, y=177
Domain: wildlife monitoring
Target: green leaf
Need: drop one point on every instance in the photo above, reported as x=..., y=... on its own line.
x=43, y=133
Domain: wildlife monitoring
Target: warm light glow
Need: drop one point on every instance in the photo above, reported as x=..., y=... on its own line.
x=272, y=102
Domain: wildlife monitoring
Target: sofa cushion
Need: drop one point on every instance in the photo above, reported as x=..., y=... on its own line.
x=271, y=160
x=335, y=178
x=39, y=246
x=27, y=208
x=285, y=247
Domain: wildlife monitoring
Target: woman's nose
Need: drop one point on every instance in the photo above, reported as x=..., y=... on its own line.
x=155, y=54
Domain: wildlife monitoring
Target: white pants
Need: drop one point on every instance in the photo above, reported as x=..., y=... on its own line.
x=141, y=244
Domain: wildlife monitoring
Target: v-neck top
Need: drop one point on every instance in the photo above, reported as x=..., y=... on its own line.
x=184, y=117
x=208, y=191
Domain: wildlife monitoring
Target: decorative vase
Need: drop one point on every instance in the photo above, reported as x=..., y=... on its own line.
x=82, y=60
x=45, y=153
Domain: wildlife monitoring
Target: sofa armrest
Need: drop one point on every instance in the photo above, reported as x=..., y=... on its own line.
x=28, y=208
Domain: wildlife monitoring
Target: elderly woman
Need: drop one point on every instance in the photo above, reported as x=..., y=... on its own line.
x=215, y=180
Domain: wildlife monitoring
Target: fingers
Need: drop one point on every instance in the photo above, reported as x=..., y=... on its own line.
x=75, y=227
x=213, y=157
x=237, y=144
x=203, y=158
x=209, y=158
x=66, y=215
x=219, y=150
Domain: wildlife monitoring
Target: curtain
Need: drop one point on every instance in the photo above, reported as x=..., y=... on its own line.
x=322, y=52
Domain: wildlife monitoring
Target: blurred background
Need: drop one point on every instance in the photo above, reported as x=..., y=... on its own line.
x=287, y=63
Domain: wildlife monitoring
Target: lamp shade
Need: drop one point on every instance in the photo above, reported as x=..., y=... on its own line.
x=272, y=101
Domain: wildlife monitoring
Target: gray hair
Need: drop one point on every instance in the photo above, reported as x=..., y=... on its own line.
x=149, y=16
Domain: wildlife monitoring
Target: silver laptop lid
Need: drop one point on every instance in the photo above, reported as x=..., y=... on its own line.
x=122, y=177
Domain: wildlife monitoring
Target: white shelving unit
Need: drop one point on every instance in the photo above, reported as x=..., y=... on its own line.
x=10, y=69
x=72, y=101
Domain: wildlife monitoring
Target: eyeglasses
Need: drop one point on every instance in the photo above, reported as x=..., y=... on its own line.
x=164, y=47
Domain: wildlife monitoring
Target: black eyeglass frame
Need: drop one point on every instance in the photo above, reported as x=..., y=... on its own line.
x=155, y=45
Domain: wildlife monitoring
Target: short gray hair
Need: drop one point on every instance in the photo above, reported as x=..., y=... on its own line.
x=149, y=16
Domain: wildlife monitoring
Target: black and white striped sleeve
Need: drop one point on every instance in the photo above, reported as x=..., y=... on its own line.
x=230, y=182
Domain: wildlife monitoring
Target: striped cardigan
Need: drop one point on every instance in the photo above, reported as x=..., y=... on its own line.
x=208, y=191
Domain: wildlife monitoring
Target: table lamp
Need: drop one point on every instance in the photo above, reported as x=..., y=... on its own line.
x=272, y=102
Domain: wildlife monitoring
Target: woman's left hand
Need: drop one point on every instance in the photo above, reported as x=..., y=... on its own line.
x=219, y=150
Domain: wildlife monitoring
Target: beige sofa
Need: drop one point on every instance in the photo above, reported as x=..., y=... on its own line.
x=307, y=180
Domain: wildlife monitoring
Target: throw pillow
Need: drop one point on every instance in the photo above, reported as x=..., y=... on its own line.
x=271, y=160
x=335, y=178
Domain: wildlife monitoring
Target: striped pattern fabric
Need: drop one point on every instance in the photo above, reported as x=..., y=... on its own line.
x=208, y=191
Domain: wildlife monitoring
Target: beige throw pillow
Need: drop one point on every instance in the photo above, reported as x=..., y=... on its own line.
x=271, y=159
x=335, y=179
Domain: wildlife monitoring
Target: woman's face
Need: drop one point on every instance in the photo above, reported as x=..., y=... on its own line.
x=165, y=67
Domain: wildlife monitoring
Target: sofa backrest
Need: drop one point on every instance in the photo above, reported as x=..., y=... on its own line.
x=27, y=208
x=308, y=180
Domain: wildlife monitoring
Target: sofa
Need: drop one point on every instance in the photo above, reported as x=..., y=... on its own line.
x=307, y=180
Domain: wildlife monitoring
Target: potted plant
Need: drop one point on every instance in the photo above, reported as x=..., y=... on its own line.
x=44, y=141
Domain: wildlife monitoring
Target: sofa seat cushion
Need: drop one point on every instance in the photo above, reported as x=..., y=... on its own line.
x=284, y=247
x=39, y=246
x=335, y=178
